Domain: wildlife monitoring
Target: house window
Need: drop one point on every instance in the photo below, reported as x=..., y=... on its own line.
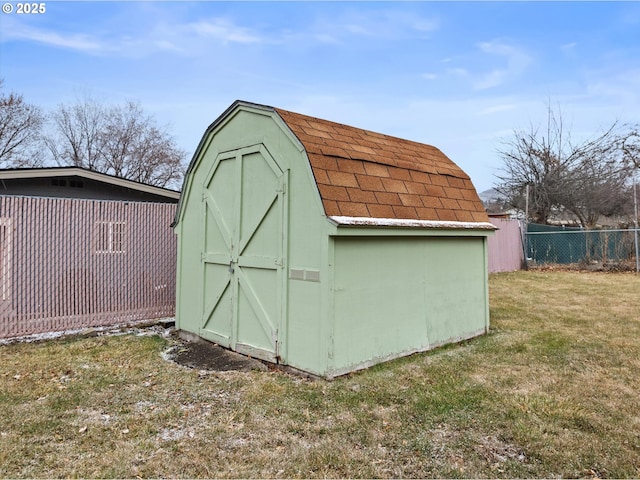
x=62, y=182
x=110, y=237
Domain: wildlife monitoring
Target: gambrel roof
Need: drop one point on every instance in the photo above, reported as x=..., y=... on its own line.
x=368, y=178
x=366, y=175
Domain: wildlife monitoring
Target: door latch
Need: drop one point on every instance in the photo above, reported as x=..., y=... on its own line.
x=231, y=269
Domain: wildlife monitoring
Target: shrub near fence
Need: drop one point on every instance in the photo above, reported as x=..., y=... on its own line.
x=565, y=245
x=68, y=264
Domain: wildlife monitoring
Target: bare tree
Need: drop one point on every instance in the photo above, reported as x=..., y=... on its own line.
x=631, y=145
x=598, y=180
x=535, y=160
x=76, y=134
x=121, y=140
x=20, y=128
x=588, y=179
x=134, y=147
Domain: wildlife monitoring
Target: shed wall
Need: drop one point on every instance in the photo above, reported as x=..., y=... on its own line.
x=395, y=296
x=350, y=302
x=303, y=335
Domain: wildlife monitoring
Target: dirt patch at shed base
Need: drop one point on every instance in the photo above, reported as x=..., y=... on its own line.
x=203, y=355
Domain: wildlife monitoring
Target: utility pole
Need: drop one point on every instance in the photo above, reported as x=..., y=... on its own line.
x=525, y=238
x=635, y=232
x=526, y=204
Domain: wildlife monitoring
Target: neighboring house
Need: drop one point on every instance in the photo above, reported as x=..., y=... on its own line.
x=326, y=247
x=80, y=248
x=76, y=182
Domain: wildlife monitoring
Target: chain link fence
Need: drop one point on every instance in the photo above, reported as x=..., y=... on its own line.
x=546, y=244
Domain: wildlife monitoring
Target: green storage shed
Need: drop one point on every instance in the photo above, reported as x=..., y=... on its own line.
x=325, y=247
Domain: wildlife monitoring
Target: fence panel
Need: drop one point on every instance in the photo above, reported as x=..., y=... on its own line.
x=547, y=244
x=506, y=252
x=68, y=264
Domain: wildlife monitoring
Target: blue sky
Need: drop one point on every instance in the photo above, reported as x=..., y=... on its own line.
x=458, y=75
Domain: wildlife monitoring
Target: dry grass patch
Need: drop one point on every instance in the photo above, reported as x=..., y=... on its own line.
x=551, y=391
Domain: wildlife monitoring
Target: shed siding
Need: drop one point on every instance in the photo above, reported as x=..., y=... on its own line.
x=354, y=295
x=400, y=295
x=304, y=337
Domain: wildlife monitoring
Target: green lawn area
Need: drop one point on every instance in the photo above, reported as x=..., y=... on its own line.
x=551, y=391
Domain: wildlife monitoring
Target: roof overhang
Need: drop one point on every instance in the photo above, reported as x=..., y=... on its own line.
x=365, y=226
x=27, y=173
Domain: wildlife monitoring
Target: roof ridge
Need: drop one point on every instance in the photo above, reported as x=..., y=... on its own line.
x=338, y=140
x=408, y=166
x=360, y=129
x=361, y=173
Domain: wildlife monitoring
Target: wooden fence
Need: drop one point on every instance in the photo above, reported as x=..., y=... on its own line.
x=506, y=252
x=68, y=264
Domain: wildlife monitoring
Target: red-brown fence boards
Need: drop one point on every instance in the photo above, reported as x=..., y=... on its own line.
x=506, y=253
x=68, y=264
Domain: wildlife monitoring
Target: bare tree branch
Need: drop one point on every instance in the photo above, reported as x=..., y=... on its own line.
x=631, y=145
x=121, y=140
x=588, y=179
x=20, y=125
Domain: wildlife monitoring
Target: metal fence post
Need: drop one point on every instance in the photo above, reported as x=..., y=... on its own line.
x=635, y=208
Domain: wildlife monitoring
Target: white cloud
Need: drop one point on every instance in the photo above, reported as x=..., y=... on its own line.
x=14, y=30
x=166, y=45
x=319, y=37
x=569, y=49
x=492, y=79
x=429, y=76
x=178, y=38
x=387, y=24
x=357, y=29
x=460, y=72
x=497, y=109
x=222, y=29
x=616, y=88
x=189, y=38
x=517, y=62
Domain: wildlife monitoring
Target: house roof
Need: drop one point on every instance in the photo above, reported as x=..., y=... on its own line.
x=49, y=172
x=363, y=175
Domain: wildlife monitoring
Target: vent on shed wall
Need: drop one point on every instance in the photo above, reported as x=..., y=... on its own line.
x=305, y=275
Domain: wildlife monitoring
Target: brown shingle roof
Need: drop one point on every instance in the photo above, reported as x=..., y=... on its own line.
x=366, y=174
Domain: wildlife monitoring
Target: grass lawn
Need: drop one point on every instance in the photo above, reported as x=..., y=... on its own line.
x=551, y=391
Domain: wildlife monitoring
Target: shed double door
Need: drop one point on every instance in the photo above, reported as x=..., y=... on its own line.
x=245, y=210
